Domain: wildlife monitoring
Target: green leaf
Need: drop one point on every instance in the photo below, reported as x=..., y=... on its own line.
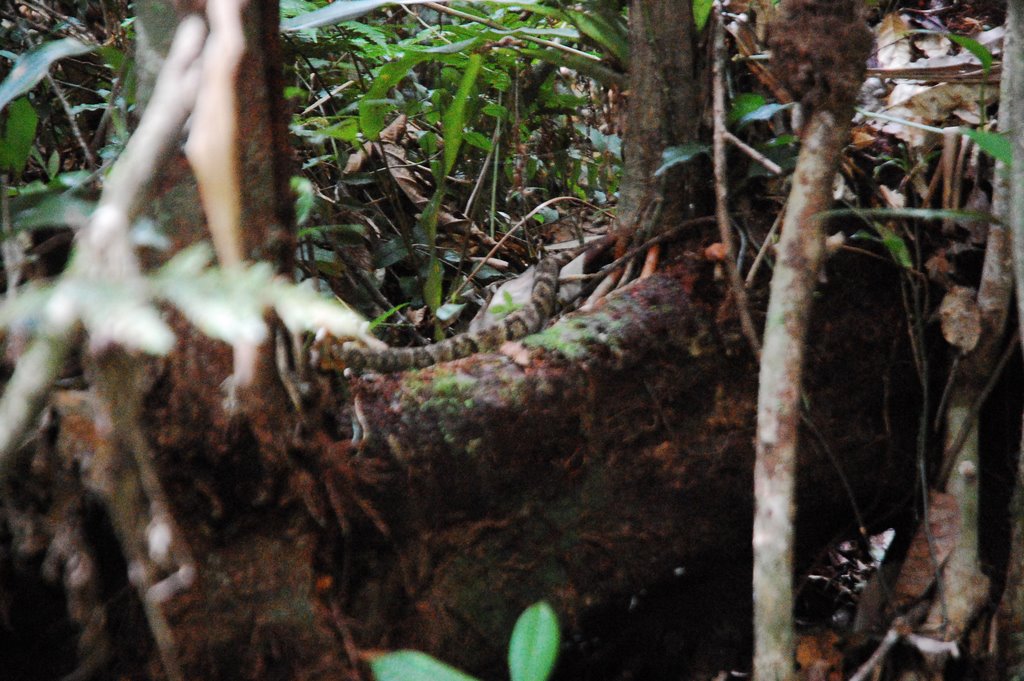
x=995, y=144
x=383, y=317
x=684, y=153
x=612, y=37
x=34, y=64
x=454, y=120
x=975, y=48
x=53, y=164
x=50, y=209
x=701, y=12
x=372, y=113
x=762, y=113
x=350, y=9
x=894, y=243
x=743, y=104
x=305, y=198
x=506, y=307
x=582, y=65
x=533, y=649
x=19, y=134
x=475, y=139
x=350, y=234
x=337, y=12
x=410, y=665
x=227, y=305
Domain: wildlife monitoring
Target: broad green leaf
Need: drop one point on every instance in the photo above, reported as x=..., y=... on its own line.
x=701, y=12
x=496, y=110
x=50, y=209
x=291, y=8
x=410, y=665
x=762, y=113
x=743, y=104
x=226, y=305
x=610, y=36
x=454, y=120
x=582, y=65
x=453, y=48
x=684, y=153
x=34, y=64
x=533, y=649
x=995, y=144
x=975, y=48
x=372, y=114
x=475, y=139
x=19, y=134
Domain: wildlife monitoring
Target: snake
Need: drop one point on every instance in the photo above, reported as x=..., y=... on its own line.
x=334, y=355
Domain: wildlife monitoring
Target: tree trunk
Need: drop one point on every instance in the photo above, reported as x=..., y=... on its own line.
x=665, y=95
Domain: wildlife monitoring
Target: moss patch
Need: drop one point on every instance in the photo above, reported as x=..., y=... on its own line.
x=572, y=337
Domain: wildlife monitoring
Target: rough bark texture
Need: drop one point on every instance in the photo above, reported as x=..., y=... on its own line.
x=826, y=82
x=664, y=111
x=1011, y=610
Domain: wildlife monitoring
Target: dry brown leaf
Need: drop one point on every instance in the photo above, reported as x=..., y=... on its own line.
x=977, y=201
x=893, y=42
x=819, y=656
x=938, y=267
x=933, y=105
x=920, y=565
x=960, y=318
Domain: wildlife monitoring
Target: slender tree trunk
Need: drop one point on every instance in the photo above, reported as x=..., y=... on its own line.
x=664, y=111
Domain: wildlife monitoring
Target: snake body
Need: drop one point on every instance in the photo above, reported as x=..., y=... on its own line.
x=528, y=319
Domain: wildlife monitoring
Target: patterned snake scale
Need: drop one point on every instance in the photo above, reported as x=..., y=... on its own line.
x=530, y=318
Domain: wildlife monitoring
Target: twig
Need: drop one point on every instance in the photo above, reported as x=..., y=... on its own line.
x=661, y=238
x=721, y=186
x=11, y=247
x=770, y=165
x=57, y=90
x=511, y=231
x=892, y=637
x=765, y=245
x=949, y=456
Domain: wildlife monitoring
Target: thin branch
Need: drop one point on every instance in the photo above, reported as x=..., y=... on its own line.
x=769, y=165
x=739, y=292
x=86, y=150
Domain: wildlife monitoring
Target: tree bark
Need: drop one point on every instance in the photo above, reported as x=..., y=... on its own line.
x=665, y=96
